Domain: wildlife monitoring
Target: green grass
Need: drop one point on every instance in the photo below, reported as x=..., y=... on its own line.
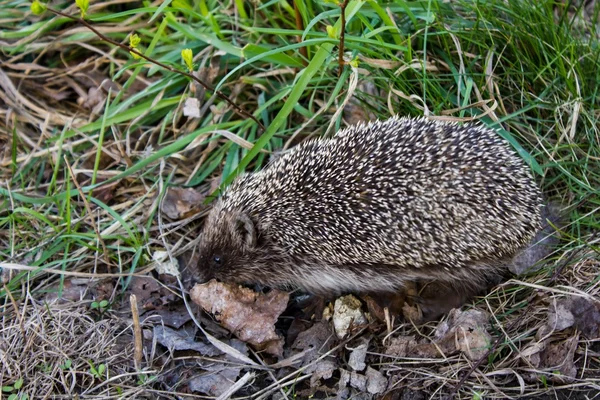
x=527, y=68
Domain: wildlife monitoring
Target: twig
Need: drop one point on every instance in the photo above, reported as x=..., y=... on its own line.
x=236, y=386
x=137, y=333
x=342, y=36
x=300, y=27
x=208, y=87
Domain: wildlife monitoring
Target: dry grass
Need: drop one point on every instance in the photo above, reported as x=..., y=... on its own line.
x=54, y=348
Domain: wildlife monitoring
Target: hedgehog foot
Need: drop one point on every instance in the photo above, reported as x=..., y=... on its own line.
x=435, y=298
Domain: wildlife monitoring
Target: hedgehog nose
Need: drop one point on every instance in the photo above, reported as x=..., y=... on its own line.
x=194, y=280
x=199, y=278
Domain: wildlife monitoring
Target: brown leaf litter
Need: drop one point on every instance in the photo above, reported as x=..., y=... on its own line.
x=365, y=361
x=463, y=331
x=347, y=313
x=251, y=316
x=182, y=203
x=553, y=352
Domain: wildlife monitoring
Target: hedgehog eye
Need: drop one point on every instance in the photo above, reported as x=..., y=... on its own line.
x=217, y=260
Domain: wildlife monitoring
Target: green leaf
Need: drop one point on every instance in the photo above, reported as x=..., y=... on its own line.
x=134, y=40
x=252, y=50
x=332, y=32
x=187, y=55
x=38, y=8
x=304, y=77
x=83, y=6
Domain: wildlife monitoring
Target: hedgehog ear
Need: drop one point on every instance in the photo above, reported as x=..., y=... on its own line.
x=246, y=228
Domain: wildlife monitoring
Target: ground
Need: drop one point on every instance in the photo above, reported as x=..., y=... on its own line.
x=109, y=162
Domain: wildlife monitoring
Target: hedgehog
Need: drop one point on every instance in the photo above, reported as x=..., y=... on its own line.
x=375, y=207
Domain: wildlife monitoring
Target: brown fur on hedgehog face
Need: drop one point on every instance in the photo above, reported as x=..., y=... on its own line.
x=230, y=251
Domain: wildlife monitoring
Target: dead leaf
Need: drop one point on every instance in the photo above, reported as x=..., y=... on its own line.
x=73, y=289
x=575, y=311
x=412, y=313
x=105, y=161
x=180, y=203
x=401, y=346
x=315, y=342
x=347, y=312
x=356, y=361
x=378, y=63
x=106, y=193
x=102, y=289
x=343, y=391
x=560, y=316
x=404, y=394
x=374, y=307
x=358, y=381
x=94, y=97
x=212, y=384
x=150, y=294
x=172, y=317
x=463, y=331
x=323, y=369
x=221, y=374
x=317, y=339
x=297, y=326
x=587, y=316
x=180, y=340
x=164, y=264
x=249, y=315
x=376, y=381
x=557, y=358
x=191, y=107
x=208, y=75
